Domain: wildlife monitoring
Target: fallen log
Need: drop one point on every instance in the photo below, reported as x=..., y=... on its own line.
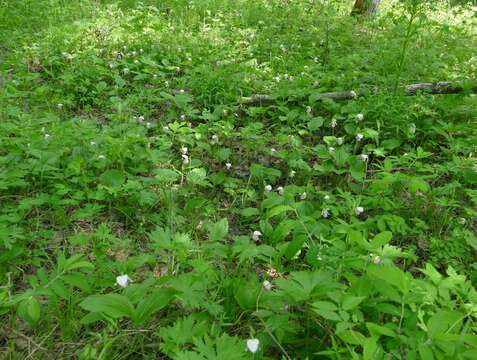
x=441, y=87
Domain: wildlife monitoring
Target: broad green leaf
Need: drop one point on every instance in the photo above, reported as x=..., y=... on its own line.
x=112, y=178
x=280, y=209
x=352, y=337
x=350, y=301
x=381, y=239
x=219, y=230
x=152, y=303
x=167, y=175
x=113, y=305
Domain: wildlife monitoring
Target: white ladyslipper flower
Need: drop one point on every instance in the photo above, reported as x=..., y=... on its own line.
x=325, y=213
x=183, y=117
x=462, y=221
x=148, y=125
x=252, y=345
x=267, y=285
x=360, y=117
x=185, y=159
x=228, y=165
x=359, y=210
x=215, y=139
x=123, y=281
x=303, y=196
x=256, y=235
x=359, y=137
x=268, y=188
x=280, y=190
x=59, y=106
x=134, y=53
x=292, y=173
x=47, y=137
x=327, y=197
x=364, y=157
x=273, y=151
x=184, y=150
x=126, y=70
x=182, y=91
x=339, y=141
x=165, y=128
x=140, y=119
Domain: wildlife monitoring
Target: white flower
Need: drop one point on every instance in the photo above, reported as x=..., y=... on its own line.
x=228, y=165
x=334, y=122
x=325, y=213
x=280, y=190
x=268, y=188
x=43, y=129
x=327, y=197
x=111, y=66
x=47, y=136
x=353, y=94
x=412, y=128
x=252, y=345
x=462, y=221
x=136, y=61
x=126, y=70
x=303, y=196
x=308, y=109
x=331, y=149
x=267, y=285
x=184, y=150
x=359, y=137
x=183, y=117
x=225, y=112
x=215, y=139
x=292, y=173
x=134, y=53
x=340, y=141
x=101, y=157
x=359, y=210
x=59, y=106
x=377, y=260
x=364, y=157
x=165, y=128
x=185, y=159
x=148, y=125
x=141, y=51
x=140, y=119
x=181, y=91
x=273, y=151
x=92, y=143
x=123, y=281
x=360, y=117
x=256, y=235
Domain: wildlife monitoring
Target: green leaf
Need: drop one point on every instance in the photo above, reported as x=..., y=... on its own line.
x=197, y=177
x=315, y=123
x=294, y=246
x=327, y=310
x=378, y=330
x=350, y=301
x=219, y=230
x=113, y=305
x=30, y=310
x=166, y=175
x=112, y=178
x=277, y=210
x=352, y=337
x=381, y=239
x=152, y=303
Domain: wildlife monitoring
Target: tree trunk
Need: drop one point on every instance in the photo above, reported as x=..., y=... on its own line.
x=365, y=7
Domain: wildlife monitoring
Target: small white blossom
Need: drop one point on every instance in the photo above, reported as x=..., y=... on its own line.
x=327, y=197
x=303, y=196
x=136, y=61
x=359, y=137
x=364, y=157
x=377, y=260
x=181, y=91
x=134, y=53
x=359, y=210
x=267, y=285
x=92, y=143
x=183, y=117
x=111, y=66
x=43, y=130
x=126, y=70
x=215, y=139
x=123, y=281
x=148, y=125
x=185, y=159
x=253, y=345
x=308, y=109
x=353, y=94
x=140, y=119
x=256, y=235
x=334, y=122
x=412, y=128
x=47, y=136
x=339, y=141
x=325, y=213
x=228, y=165
x=360, y=117
x=184, y=150
x=268, y=188
x=101, y=157
x=165, y=128
x=462, y=221
x=59, y=106
x=280, y=190
x=273, y=151
x=331, y=149
x=292, y=173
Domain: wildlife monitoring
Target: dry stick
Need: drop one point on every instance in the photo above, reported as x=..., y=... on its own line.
x=441, y=87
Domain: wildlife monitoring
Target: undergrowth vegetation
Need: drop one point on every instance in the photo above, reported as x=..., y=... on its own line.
x=146, y=214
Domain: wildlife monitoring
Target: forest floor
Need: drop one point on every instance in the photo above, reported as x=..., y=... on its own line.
x=145, y=213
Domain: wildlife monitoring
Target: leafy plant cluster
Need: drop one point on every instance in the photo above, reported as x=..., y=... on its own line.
x=146, y=213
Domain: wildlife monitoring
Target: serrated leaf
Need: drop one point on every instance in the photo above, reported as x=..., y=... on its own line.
x=112, y=178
